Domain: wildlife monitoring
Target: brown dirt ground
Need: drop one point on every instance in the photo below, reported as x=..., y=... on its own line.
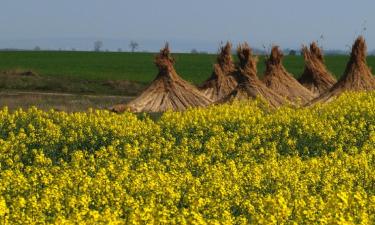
x=58, y=101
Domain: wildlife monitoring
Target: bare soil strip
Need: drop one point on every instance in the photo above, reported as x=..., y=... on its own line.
x=58, y=101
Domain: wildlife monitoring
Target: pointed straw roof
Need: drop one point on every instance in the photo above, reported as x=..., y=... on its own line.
x=249, y=86
x=283, y=83
x=222, y=80
x=315, y=77
x=316, y=51
x=357, y=75
x=167, y=92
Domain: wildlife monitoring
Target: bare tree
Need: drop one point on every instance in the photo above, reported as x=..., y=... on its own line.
x=194, y=51
x=37, y=48
x=98, y=45
x=133, y=45
x=292, y=52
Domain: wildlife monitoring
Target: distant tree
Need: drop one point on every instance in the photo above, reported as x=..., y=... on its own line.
x=37, y=48
x=292, y=52
x=98, y=45
x=119, y=49
x=194, y=51
x=133, y=45
x=73, y=49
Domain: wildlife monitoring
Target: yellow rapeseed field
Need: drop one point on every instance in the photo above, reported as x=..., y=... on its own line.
x=231, y=164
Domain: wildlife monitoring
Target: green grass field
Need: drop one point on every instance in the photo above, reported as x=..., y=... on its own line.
x=135, y=66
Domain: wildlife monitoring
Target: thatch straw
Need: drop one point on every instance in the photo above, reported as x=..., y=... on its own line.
x=222, y=80
x=283, y=83
x=249, y=86
x=167, y=92
x=357, y=75
x=315, y=77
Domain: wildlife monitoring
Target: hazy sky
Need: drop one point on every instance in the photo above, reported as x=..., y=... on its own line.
x=188, y=24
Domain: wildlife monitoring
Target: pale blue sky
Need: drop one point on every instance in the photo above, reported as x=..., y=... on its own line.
x=186, y=24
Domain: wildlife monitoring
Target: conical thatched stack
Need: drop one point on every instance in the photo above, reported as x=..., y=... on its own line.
x=167, y=92
x=222, y=80
x=357, y=75
x=283, y=83
x=315, y=77
x=249, y=86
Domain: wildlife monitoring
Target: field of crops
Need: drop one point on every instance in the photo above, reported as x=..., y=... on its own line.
x=240, y=163
x=136, y=66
